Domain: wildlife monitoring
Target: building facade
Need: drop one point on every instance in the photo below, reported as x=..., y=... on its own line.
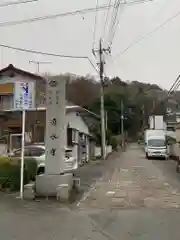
x=78, y=120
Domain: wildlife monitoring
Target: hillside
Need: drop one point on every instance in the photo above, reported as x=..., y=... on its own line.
x=139, y=99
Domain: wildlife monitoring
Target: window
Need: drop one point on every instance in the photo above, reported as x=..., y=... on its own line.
x=68, y=153
x=30, y=152
x=74, y=136
x=17, y=153
x=36, y=151
x=156, y=143
x=69, y=137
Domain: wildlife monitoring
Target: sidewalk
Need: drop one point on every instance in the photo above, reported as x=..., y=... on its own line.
x=90, y=173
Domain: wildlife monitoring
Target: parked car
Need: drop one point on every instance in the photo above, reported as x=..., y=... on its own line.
x=37, y=151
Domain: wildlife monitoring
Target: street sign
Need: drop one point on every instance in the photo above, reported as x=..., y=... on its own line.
x=24, y=99
x=24, y=95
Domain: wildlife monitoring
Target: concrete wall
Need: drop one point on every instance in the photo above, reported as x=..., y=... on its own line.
x=98, y=150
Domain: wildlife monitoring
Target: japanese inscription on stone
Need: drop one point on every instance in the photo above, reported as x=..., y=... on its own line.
x=55, y=122
x=53, y=136
x=53, y=151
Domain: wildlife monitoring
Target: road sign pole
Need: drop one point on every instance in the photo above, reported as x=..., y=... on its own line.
x=22, y=153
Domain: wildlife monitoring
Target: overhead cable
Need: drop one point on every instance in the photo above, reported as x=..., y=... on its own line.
x=112, y=18
x=95, y=24
x=174, y=86
x=8, y=4
x=149, y=34
x=118, y=13
x=53, y=16
x=106, y=21
x=50, y=54
x=40, y=52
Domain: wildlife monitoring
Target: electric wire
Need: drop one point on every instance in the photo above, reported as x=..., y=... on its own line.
x=39, y=52
x=149, y=34
x=8, y=4
x=171, y=91
x=116, y=15
x=112, y=20
x=106, y=21
x=50, y=54
x=117, y=24
x=174, y=86
x=95, y=24
x=53, y=16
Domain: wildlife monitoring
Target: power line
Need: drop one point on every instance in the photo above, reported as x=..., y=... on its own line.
x=95, y=24
x=172, y=89
x=8, y=4
x=53, y=16
x=149, y=34
x=50, y=54
x=174, y=86
x=39, y=52
x=107, y=18
x=118, y=13
x=113, y=17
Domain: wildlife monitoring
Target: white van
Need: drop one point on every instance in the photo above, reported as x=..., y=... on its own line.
x=156, y=147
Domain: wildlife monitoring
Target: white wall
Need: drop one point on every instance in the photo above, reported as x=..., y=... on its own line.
x=98, y=150
x=75, y=121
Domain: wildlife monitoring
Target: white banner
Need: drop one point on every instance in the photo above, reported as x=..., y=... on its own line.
x=24, y=95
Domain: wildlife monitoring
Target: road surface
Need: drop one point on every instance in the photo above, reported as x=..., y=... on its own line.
x=141, y=200
x=131, y=198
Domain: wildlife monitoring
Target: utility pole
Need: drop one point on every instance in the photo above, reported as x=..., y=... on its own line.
x=143, y=116
x=106, y=119
x=122, y=122
x=38, y=64
x=101, y=63
x=101, y=74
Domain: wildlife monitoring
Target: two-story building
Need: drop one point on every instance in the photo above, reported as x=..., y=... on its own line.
x=79, y=120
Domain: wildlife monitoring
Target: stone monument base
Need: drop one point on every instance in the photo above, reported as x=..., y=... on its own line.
x=54, y=185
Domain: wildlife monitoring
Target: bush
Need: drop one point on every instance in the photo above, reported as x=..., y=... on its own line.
x=10, y=172
x=31, y=168
x=113, y=143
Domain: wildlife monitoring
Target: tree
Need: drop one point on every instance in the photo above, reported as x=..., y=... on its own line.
x=82, y=91
x=138, y=99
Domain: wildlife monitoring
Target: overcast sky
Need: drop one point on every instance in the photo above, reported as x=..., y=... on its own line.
x=154, y=60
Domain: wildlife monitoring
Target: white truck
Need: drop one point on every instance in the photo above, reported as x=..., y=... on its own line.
x=155, y=144
x=157, y=122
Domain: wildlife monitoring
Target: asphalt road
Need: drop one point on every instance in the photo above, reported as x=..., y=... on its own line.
x=133, y=199
x=144, y=202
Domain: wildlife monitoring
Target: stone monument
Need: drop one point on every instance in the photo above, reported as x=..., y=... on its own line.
x=55, y=179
